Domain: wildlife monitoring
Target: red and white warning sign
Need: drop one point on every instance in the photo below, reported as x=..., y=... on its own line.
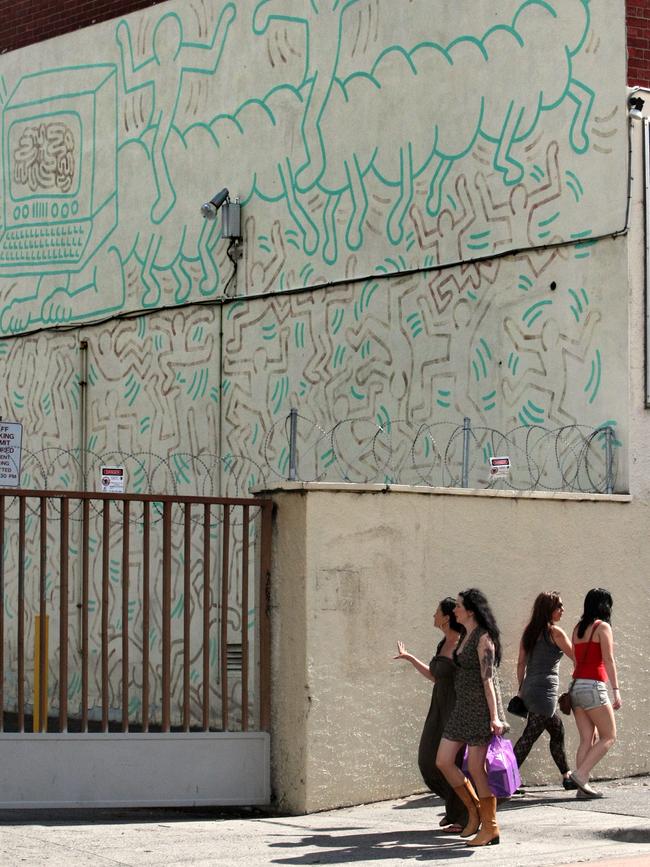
x=113, y=480
x=500, y=466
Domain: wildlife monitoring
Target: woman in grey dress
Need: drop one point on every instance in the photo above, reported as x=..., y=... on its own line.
x=477, y=715
x=542, y=646
x=441, y=670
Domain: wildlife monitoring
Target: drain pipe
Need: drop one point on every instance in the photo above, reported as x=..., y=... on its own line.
x=83, y=464
x=83, y=412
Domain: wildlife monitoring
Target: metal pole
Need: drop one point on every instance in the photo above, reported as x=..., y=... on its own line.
x=609, y=461
x=293, y=433
x=467, y=426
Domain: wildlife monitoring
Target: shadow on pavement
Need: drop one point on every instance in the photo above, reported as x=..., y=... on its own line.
x=132, y=816
x=404, y=845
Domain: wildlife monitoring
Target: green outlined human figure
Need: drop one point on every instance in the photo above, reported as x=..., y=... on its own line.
x=163, y=72
x=323, y=20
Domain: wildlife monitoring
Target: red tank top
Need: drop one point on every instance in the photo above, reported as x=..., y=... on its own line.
x=589, y=659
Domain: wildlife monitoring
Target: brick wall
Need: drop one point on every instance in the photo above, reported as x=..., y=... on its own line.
x=23, y=22
x=638, y=42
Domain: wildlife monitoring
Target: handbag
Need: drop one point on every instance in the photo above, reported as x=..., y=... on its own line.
x=501, y=767
x=564, y=701
x=517, y=706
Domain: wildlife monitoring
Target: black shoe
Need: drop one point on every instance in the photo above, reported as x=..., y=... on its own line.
x=568, y=784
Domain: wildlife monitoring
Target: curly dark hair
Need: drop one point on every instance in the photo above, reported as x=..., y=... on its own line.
x=543, y=607
x=475, y=601
x=598, y=606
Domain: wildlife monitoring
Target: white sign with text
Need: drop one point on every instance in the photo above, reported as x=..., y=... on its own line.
x=112, y=480
x=11, y=443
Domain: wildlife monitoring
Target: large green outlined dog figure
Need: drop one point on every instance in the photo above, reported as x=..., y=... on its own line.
x=163, y=72
x=505, y=112
x=323, y=21
x=508, y=113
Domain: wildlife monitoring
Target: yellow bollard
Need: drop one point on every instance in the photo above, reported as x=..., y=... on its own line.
x=37, y=670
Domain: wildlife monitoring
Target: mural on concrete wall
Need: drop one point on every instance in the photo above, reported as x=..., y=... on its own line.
x=371, y=143
x=357, y=146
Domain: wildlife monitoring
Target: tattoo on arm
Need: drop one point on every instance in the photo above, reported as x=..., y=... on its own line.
x=487, y=662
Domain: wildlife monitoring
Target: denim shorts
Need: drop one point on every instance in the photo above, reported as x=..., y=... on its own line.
x=588, y=694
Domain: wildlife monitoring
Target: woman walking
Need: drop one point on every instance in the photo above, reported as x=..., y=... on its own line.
x=541, y=648
x=441, y=670
x=477, y=715
x=593, y=648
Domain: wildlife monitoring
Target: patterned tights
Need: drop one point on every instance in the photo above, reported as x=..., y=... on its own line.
x=534, y=727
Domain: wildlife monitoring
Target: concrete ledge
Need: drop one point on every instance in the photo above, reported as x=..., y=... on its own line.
x=134, y=770
x=350, y=487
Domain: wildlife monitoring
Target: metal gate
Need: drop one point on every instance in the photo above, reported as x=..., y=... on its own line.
x=134, y=649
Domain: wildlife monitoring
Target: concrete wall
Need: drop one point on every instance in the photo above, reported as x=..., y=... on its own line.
x=422, y=239
x=389, y=231
x=355, y=570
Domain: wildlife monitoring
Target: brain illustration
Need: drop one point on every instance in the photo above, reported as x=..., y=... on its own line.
x=45, y=157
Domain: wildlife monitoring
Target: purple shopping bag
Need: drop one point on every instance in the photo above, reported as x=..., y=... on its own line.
x=501, y=766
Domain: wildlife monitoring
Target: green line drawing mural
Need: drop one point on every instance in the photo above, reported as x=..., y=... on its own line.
x=323, y=22
x=164, y=72
x=98, y=218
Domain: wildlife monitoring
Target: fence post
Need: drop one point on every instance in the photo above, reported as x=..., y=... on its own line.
x=467, y=426
x=609, y=460
x=293, y=433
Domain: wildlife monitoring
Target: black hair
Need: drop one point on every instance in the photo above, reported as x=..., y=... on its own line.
x=475, y=601
x=447, y=607
x=598, y=606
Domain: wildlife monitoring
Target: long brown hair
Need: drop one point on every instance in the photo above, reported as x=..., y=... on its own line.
x=543, y=608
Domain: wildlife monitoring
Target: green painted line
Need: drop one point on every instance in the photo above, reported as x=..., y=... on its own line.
x=482, y=360
x=549, y=220
x=574, y=177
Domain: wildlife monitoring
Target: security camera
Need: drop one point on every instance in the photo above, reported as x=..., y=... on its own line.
x=636, y=104
x=209, y=209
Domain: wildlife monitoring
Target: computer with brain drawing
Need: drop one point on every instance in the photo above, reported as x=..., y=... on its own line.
x=59, y=145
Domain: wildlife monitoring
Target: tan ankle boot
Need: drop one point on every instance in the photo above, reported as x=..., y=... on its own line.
x=469, y=797
x=489, y=833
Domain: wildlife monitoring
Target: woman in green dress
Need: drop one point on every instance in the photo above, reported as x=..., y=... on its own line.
x=441, y=670
x=477, y=715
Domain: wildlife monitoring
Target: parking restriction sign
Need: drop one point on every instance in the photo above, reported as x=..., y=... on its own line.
x=11, y=441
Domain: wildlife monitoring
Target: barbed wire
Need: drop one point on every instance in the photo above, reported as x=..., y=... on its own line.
x=574, y=458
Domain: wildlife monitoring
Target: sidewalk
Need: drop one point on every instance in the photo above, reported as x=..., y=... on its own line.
x=545, y=826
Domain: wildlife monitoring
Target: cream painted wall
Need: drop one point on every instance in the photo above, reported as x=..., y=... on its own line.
x=364, y=568
x=639, y=413
x=504, y=302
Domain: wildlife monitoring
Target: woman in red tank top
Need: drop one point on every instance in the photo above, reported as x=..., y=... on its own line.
x=593, y=649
